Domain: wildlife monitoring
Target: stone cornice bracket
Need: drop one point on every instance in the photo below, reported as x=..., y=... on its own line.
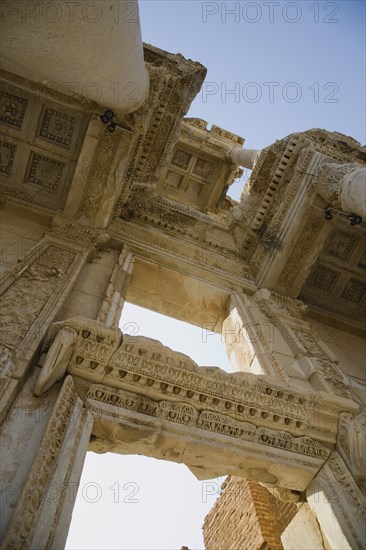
x=274, y=304
x=272, y=167
x=343, y=186
x=174, y=83
x=87, y=237
x=92, y=338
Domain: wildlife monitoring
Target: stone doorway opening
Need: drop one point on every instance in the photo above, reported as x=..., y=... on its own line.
x=120, y=493
x=202, y=344
x=133, y=502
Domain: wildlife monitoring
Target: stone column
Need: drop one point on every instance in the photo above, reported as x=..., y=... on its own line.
x=244, y=157
x=44, y=442
x=343, y=186
x=114, y=75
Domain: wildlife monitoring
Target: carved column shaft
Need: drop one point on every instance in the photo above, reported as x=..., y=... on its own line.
x=39, y=494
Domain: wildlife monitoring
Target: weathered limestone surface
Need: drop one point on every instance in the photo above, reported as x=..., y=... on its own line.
x=91, y=218
x=303, y=532
x=112, y=74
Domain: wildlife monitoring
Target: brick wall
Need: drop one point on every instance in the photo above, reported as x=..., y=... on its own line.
x=246, y=517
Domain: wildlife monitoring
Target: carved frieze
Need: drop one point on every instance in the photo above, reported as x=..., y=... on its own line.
x=147, y=367
x=98, y=174
x=273, y=303
x=300, y=251
x=208, y=420
x=73, y=231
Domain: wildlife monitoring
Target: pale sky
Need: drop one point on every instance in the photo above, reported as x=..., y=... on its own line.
x=273, y=68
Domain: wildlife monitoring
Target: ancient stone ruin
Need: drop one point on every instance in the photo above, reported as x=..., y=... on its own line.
x=117, y=200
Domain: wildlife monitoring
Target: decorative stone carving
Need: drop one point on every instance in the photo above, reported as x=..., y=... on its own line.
x=57, y=127
x=7, y=155
x=299, y=253
x=44, y=171
x=144, y=365
x=276, y=304
x=327, y=181
x=287, y=313
x=160, y=117
x=355, y=291
x=12, y=108
x=342, y=186
x=206, y=419
x=351, y=444
x=323, y=278
x=23, y=524
x=340, y=244
x=33, y=286
x=98, y=174
x=334, y=493
x=72, y=231
x=57, y=360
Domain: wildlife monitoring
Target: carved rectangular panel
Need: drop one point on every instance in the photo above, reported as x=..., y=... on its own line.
x=203, y=169
x=323, y=278
x=42, y=139
x=12, y=109
x=341, y=245
x=57, y=127
x=7, y=154
x=173, y=179
x=181, y=159
x=44, y=171
x=355, y=291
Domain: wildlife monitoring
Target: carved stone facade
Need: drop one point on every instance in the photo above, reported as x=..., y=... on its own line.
x=92, y=218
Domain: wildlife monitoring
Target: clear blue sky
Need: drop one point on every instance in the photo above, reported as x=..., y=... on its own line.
x=275, y=54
